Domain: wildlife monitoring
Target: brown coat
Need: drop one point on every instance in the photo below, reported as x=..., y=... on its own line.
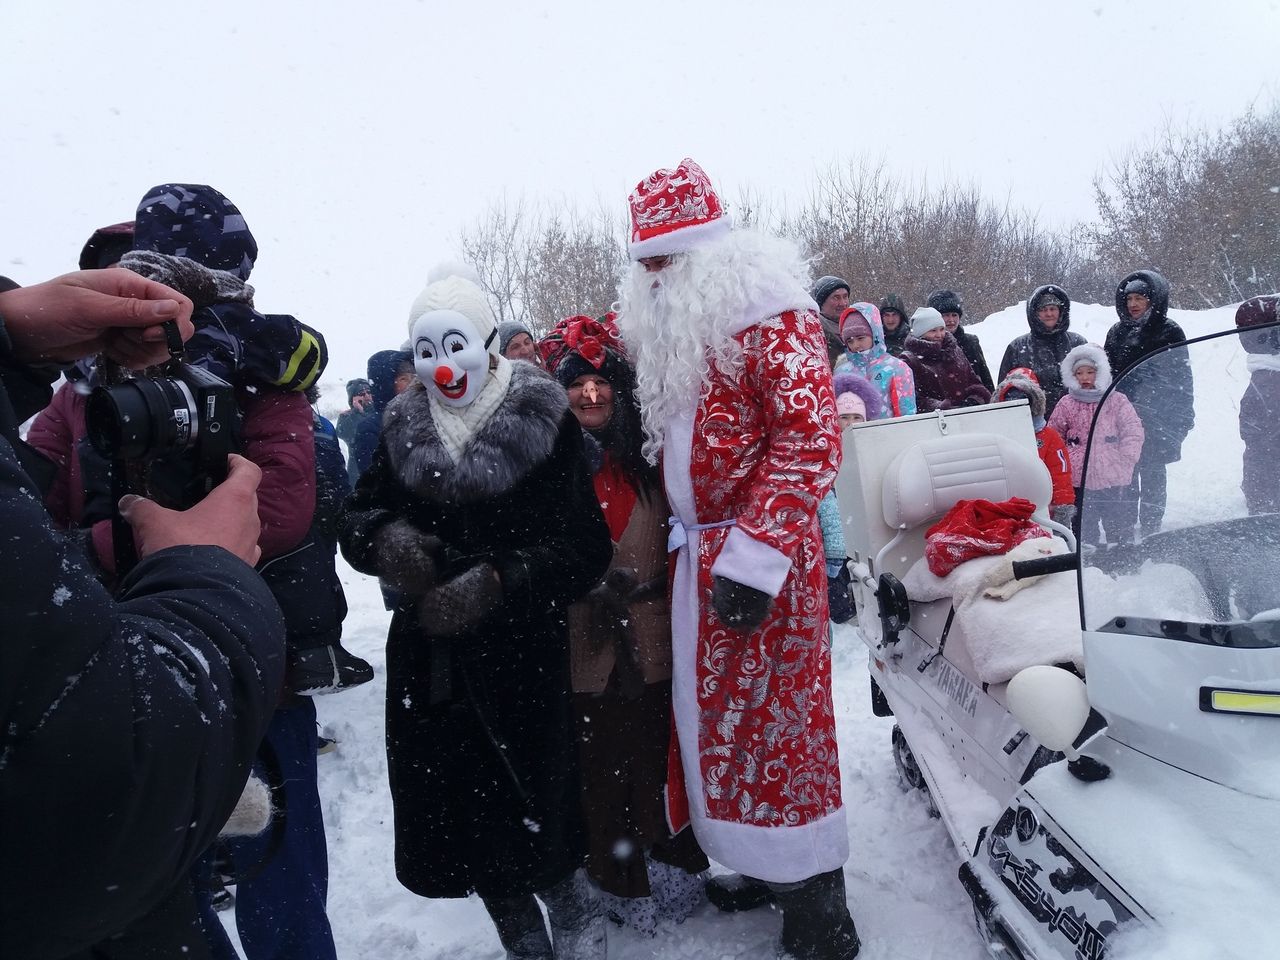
x=594, y=637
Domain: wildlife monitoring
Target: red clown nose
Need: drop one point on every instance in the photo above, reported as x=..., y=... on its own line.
x=443, y=376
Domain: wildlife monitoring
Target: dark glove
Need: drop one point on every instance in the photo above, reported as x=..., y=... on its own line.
x=738, y=606
x=406, y=557
x=458, y=605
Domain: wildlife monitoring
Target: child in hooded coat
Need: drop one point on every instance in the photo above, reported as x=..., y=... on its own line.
x=1116, y=447
x=944, y=378
x=1260, y=406
x=866, y=354
x=1021, y=382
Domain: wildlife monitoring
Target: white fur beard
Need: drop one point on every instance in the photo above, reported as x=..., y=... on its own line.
x=672, y=339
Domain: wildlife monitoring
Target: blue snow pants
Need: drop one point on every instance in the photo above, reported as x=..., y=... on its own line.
x=280, y=905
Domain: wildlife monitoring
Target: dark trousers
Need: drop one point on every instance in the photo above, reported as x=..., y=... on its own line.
x=169, y=930
x=1113, y=508
x=1261, y=477
x=1149, y=491
x=280, y=903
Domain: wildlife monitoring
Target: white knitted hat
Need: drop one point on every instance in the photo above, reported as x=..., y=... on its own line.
x=463, y=296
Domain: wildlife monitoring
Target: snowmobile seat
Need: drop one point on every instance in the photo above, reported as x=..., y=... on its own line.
x=921, y=484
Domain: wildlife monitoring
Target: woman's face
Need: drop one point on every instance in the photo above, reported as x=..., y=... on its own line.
x=935, y=335
x=591, y=400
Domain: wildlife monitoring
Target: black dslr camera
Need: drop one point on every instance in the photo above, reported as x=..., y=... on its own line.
x=168, y=436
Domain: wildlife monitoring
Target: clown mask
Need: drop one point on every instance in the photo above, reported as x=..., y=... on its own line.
x=450, y=356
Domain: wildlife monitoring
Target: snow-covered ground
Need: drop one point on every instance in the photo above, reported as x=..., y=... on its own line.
x=901, y=876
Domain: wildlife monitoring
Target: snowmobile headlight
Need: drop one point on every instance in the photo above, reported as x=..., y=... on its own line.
x=1240, y=701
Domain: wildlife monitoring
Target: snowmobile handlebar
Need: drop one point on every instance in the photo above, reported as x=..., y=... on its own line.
x=1058, y=563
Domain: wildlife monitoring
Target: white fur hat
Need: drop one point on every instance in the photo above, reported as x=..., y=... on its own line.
x=464, y=296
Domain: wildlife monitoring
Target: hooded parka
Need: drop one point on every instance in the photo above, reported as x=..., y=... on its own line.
x=1042, y=350
x=1162, y=393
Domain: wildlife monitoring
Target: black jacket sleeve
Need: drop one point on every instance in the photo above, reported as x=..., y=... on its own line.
x=127, y=724
x=574, y=550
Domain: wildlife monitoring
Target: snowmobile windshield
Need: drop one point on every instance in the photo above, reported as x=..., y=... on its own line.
x=1201, y=564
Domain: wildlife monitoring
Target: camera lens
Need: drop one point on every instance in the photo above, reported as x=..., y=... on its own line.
x=141, y=418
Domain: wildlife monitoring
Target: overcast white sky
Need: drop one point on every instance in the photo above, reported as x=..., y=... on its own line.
x=359, y=139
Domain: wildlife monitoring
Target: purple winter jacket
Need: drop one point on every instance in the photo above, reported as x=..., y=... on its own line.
x=1118, y=444
x=944, y=377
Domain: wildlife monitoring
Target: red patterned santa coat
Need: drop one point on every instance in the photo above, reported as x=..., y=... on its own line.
x=754, y=717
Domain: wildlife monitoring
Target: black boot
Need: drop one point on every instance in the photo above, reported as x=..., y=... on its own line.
x=316, y=670
x=734, y=892
x=521, y=928
x=816, y=924
x=578, y=925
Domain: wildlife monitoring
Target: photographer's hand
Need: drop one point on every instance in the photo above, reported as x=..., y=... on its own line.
x=79, y=314
x=227, y=517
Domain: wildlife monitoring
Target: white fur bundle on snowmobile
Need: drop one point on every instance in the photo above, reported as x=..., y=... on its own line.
x=1037, y=625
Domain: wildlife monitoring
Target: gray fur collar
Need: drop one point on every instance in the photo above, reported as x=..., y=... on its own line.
x=518, y=437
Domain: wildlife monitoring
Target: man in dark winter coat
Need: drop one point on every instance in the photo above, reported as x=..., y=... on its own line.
x=1163, y=394
x=947, y=303
x=893, y=317
x=1050, y=340
x=390, y=373
x=128, y=722
x=479, y=510
x=359, y=409
x=831, y=294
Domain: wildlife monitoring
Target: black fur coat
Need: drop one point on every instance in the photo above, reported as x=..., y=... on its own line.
x=479, y=736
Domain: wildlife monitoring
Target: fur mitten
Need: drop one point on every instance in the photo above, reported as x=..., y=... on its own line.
x=406, y=557
x=252, y=813
x=460, y=604
x=739, y=606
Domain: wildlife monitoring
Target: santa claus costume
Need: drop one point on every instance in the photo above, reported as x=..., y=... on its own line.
x=736, y=393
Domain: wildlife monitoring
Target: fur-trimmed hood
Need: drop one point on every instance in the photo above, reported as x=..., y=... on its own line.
x=1017, y=379
x=520, y=435
x=1096, y=355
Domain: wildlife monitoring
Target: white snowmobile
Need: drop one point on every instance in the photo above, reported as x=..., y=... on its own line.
x=1082, y=803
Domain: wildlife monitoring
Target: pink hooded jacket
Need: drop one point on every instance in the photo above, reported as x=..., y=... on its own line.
x=1119, y=430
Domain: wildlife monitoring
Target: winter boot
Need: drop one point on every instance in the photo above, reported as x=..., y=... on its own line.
x=316, y=670
x=734, y=892
x=521, y=928
x=578, y=925
x=816, y=924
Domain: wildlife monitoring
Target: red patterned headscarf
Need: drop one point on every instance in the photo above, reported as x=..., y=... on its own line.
x=586, y=341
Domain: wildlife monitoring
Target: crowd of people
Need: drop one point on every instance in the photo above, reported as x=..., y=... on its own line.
x=611, y=554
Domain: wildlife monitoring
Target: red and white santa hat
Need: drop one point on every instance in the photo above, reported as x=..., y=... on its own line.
x=675, y=210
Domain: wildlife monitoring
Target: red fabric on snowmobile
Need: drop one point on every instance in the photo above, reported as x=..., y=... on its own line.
x=978, y=528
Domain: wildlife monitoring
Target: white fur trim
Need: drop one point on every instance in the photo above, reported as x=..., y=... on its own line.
x=747, y=560
x=682, y=238
x=1096, y=355
x=252, y=813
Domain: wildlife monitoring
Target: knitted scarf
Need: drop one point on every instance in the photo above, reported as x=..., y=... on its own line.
x=457, y=425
